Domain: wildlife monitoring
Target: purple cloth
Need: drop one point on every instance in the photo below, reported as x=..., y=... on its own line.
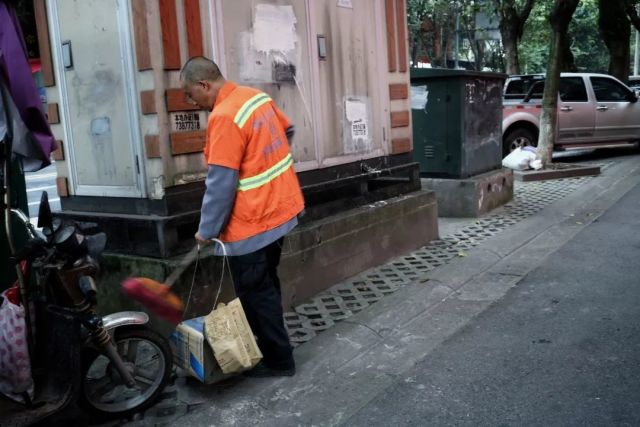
x=15, y=75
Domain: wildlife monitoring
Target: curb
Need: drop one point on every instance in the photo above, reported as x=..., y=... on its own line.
x=557, y=171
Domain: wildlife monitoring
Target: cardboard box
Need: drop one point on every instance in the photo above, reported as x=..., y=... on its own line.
x=192, y=352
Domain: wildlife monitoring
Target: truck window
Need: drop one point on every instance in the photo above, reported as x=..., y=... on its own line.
x=608, y=90
x=515, y=87
x=518, y=87
x=537, y=90
x=572, y=89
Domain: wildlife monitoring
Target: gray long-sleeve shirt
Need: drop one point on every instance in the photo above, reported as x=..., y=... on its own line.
x=222, y=184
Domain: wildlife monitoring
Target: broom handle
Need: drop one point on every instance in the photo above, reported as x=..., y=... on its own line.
x=186, y=262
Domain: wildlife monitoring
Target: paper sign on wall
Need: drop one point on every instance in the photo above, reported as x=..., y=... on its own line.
x=345, y=3
x=359, y=129
x=185, y=122
x=356, y=111
x=356, y=127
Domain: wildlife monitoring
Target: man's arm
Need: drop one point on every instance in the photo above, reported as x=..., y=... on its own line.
x=289, y=128
x=222, y=184
x=290, y=131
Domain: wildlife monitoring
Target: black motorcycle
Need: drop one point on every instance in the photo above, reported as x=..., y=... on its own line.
x=113, y=366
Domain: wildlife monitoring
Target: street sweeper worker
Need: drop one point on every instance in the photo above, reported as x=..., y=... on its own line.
x=252, y=199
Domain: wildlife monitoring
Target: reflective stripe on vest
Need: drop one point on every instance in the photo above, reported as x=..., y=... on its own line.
x=267, y=176
x=245, y=112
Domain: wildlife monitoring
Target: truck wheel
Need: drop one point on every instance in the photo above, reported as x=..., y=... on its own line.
x=518, y=138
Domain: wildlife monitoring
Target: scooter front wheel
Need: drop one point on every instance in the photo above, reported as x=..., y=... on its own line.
x=148, y=358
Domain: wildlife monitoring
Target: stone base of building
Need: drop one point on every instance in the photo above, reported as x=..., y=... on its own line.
x=315, y=256
x=474, y=196
x=165, y=228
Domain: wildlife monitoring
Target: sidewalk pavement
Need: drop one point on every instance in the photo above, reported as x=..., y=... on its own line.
x=347, y=366
x=561, y=348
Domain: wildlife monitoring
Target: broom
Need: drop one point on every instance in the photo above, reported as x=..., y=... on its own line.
x=158, y=297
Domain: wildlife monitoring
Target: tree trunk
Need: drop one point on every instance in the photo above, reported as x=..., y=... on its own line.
x=479, y=54
x=511, y=29
x=438, y=46
x=560, y=19
x=619, y=62
x=415, y=48
x=511, y=53
x=615, y=30
x=568, y=60
x=630, y=7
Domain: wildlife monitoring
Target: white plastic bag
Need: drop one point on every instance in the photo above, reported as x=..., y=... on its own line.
x=15, y=366
x=536, y=164
x=519, y=159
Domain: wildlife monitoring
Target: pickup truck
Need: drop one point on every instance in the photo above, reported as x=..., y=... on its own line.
x=594, y=111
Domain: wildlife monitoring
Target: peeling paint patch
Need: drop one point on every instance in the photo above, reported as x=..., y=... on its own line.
x=274, y=28
x=101, y=126
x=471, y=92
x=419, y=97
x=268, y=53
x=157, y=192
x=186, y=178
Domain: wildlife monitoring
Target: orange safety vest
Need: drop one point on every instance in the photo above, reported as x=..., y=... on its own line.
x=246, y=132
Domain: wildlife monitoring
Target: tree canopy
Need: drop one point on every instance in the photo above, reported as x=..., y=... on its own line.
x=596, y=41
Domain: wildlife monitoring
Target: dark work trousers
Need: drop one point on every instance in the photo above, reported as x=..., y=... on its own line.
x=256, y=282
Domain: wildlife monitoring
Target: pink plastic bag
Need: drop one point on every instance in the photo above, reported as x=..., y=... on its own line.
x=15, y=366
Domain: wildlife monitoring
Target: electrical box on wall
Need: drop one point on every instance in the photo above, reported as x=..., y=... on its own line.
x=284, y=73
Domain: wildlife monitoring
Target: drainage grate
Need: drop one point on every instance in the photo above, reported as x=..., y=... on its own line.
x=357, y=293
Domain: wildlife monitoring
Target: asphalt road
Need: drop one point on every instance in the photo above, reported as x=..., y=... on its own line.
x=561, y=348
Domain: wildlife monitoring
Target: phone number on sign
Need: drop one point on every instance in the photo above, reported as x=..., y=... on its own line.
x=188, y=121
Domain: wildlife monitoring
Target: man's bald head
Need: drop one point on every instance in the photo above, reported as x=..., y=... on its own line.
x=199, y=69
x=201, y=81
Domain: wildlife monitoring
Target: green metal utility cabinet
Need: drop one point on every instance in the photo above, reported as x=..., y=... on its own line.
x=457, y=121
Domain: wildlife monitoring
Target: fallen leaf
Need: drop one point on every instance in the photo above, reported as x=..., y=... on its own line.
x=462, y=254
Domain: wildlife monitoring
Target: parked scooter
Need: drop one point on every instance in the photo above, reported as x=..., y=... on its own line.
x=113, y=366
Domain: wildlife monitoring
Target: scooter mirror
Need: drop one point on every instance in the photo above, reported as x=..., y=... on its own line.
x=68, y=241
x=96, y=244
x=45, y=218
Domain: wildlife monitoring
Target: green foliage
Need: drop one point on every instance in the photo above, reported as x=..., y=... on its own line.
x=588, y=49
x=432, y=29
x=421, y=14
